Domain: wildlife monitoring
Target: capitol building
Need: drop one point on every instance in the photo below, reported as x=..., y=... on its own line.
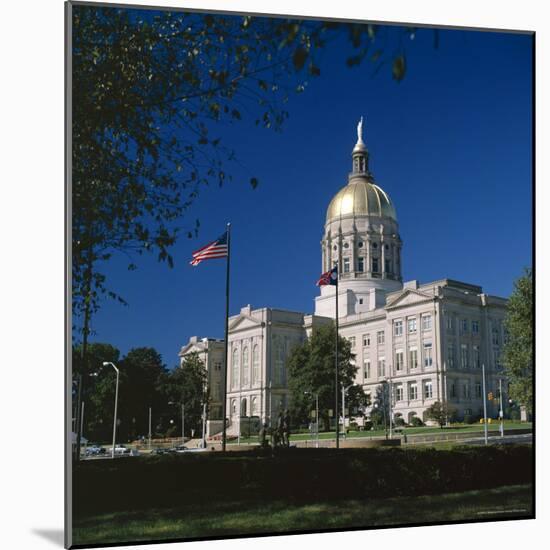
x=430, y=339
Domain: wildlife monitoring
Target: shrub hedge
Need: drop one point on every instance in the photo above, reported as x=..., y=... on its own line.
x=293, y=474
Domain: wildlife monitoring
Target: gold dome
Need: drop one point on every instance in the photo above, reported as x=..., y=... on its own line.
x=361, y=198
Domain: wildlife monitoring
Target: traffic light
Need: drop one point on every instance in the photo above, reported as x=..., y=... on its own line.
x=490, y=396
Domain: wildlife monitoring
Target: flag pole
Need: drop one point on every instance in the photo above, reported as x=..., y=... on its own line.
x=336, y=365
x=224, y=408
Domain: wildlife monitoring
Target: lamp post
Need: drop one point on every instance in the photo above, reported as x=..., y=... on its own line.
x=316, y=417
x=182, y=420
x=344, y=391
x=501, y=412
x=105, y=364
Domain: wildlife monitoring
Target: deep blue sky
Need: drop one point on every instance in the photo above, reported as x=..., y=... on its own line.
x=451, y=144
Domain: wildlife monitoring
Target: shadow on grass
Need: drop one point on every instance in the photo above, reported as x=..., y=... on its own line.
x=238, y=518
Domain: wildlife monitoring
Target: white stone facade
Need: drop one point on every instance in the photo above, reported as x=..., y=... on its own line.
x=429, y=340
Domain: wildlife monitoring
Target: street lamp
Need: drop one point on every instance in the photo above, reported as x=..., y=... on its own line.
x=316, y=416
x=182, y=420
x=106, y=364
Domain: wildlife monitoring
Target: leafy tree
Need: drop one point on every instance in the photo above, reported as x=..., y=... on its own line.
x=311, y=371
x=87, y=370
x=440, y=413
x=188, y=385
x=518, y=349
x=149, y=91
x=144, y=372
x=380, y=412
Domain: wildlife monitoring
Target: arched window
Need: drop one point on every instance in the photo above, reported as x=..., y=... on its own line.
x=255, y=365
x=279, y=362
x=254, y=406
x=245, y=367
x=243, y=406
x=233, y=407
x=235, y=369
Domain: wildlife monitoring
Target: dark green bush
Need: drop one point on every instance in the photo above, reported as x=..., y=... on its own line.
x=293, y=474
x=416, y=421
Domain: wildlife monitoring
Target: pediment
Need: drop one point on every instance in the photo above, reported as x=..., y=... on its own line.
x=409, y=297
x=192, y=348
x=244, y=322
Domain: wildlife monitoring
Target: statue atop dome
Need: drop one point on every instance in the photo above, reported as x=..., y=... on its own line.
x=360, y=131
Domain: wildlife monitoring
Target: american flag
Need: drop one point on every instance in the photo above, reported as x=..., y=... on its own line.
x=329, y=278
x=213, y=250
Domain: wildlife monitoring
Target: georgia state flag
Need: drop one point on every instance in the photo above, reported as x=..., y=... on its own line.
x=329, y=278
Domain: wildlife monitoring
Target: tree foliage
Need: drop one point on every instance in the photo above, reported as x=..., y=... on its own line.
x=518, y=349
x=311, y=371
x=187, y=385
x=150, y=89
x=380, y=412
x=440, y=412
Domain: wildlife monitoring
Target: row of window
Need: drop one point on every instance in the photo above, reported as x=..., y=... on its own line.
x=426, y=321
x=470, y=360
x=360, y=244
x=454, y=389
x=235, y=370
x=360, y=265
x=413, y=391
x=465, y=325
x=400, y=361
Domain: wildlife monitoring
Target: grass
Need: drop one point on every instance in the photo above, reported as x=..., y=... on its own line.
x=237, y=518
x=456, y=428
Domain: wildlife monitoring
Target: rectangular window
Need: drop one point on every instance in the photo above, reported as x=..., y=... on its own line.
x=399, y=361
x=381, y=367
x=366, y=368
x=464, y=356
x=399, y=393
x=426, y=322
x=428, y=389
x=427, y=354
x=475, y=327
x=476, y=359
x=346, y=265
x=380, y=337
x=360, y=264
x=366, y=340
x=411, y=323
x=464, y=326
x=449, y=323
x=352, y=342
x=451, y=356
x=495, y=334
x=398, y=328
x=413, y=358
x=375, y=265
x=466, y=390
x=478, y=390
x=387, y=268
x=452, y=390
x=413, y=392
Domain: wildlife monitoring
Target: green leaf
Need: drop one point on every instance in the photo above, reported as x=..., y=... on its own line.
x=254, y=182
x=399, y=68
x=299, y=58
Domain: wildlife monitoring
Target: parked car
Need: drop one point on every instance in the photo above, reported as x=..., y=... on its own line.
x=94, y=450
x=159, y=451
x=119, y=450
x=178, y=449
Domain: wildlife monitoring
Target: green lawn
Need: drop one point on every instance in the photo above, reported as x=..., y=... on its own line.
x=234, y=518
x=456, y=428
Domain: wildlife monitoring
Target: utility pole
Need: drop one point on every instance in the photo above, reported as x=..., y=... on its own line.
x=149, y=428
x=484, y=404
x=501, y=412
